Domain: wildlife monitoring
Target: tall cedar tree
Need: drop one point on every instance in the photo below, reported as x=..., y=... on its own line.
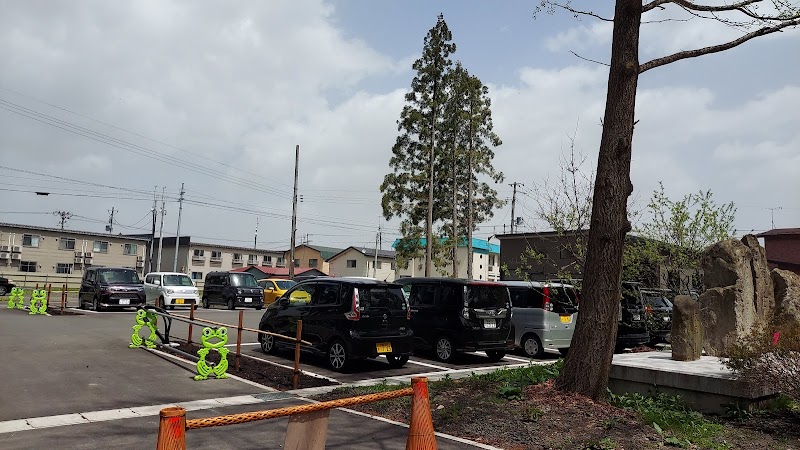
x=413, y=190
x=588, y=364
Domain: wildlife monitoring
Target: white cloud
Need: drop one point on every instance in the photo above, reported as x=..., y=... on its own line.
x=580, y=37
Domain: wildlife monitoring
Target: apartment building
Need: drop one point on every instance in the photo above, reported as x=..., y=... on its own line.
x=361, y=262
x=485, y=262
x=198, y=258
x=313, y=256
x=36, y=252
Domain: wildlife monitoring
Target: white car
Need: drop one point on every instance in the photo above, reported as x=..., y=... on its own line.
x=168, y=289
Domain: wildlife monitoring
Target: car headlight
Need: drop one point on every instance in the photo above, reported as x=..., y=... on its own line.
x=169, y=291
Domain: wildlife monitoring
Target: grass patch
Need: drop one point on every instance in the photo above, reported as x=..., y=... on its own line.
x=678, y=425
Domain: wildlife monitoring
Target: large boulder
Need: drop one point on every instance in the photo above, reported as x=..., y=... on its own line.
x=739, y=293
x=687, y=331
x=787, y=297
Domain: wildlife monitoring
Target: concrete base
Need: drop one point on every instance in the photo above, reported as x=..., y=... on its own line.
x=704, y=385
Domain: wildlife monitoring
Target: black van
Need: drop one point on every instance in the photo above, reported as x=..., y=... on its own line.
x=453, y=315
x=344, y=319
x=232, y=289
x=110, y=287
x=632, y=328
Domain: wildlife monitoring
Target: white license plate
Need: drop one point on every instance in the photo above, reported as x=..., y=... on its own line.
x=637, y=317
x=489, y=323
x=124, y=301
x=248, y=300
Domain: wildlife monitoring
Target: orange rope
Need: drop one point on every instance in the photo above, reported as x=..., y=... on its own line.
x=291, y=410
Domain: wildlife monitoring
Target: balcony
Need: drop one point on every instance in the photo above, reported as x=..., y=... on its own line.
x=200, y=258
x=216, y=259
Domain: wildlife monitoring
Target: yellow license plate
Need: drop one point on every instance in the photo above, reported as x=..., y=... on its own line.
x=179, y=301
x=566, y=319
x=384, y=347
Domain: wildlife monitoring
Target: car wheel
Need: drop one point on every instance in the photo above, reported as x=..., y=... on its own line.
x=267, y=343
x=231, y=305
x=532, y=346
x=563, y=351
x=205, y=302
x=96, y=305
x=396, y=362
x=160, y=302
x=338, y=358
x=3, y=290
x=495, y=355
x=81, y=305
x=444, y=349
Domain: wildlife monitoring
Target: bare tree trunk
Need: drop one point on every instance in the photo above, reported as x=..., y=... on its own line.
x=588, y=364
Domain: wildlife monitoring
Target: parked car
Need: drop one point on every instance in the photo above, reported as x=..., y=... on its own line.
x=274, y=288
x=453, y=315
x=232, y=289
x=168, y=289
x=658, y=314
x=632, y=327
x=6, y=285
x=110, y=287
x=344, y=319
x=544, y=315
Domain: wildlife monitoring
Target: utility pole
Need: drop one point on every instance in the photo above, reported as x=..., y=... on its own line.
x=178, y=232
x=255, y=239
x=514, y=204
x=153, y=233
x=63, y=216
x=375, y=263
x=110, y=226
x=294, y=212
x=161, y=229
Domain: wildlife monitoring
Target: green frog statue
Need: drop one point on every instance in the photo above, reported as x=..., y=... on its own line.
x=16, y=298
x=144, y=318
x=204, y=370
x=38, y=302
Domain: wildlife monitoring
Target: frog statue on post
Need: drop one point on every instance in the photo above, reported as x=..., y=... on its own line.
x=144, y=318
x=16, y=298
x=218, y=370
x=38, y=302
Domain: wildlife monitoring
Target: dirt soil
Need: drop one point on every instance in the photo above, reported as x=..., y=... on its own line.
x=544, y=418
x=57, y=312
x=259, y=371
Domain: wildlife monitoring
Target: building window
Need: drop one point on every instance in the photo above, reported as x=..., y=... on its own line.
x=216, y=256
x=351, y=263
x=266, y=261
x=252, y=260
x=30, y=240
x=312, y=262
x=197, y=275
x=297, y=263
x=200, y=253
x=280, y=261
x=100, y=247
x=393, y=265
x=130, y=249
x=237, y=258
x=66, y=244
x=27, y=266
x=64, y=268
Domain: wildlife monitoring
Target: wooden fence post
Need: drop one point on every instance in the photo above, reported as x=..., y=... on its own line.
x=239, y=339
x=63, y=297
x=47, y=301
x=296, y=378
x=191, y=316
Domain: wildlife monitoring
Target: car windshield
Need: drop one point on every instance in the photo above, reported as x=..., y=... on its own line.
x=483, y=297
x=177, y=280
x=656, y=301
x=118, y=276
x=243, y=280
x=285, y=284
x=382, y=297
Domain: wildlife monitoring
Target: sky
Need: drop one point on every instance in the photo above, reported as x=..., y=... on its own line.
x=104, y=103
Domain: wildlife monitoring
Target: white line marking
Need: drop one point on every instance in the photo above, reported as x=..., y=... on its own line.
x=433, y=366
x=401, y=424
x=11, y=426
x=513, y=358
x=56, y=421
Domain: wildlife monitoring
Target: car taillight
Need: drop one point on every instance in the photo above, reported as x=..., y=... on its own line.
x=649, y=310
x=354, y=313
x=547, y=305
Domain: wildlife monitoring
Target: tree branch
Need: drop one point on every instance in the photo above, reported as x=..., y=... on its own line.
x=577, y=12
x=590, y=60
x=715, y=48
x=695, y=7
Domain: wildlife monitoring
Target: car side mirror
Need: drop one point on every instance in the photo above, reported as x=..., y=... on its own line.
x=283, y=301
x=157, y=283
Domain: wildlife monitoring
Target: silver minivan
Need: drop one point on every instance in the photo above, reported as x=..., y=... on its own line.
x=544, y=315
x=170, y=289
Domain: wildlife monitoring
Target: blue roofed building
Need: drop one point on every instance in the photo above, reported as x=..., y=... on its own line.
x=485, y=262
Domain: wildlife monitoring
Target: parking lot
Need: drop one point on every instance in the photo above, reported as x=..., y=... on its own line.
x=72, y=381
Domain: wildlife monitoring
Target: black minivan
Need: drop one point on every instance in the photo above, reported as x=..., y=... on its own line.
x=454, y=315
x=344, y=319
x=232, y=289
x=632, y=328
x=110, y=287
